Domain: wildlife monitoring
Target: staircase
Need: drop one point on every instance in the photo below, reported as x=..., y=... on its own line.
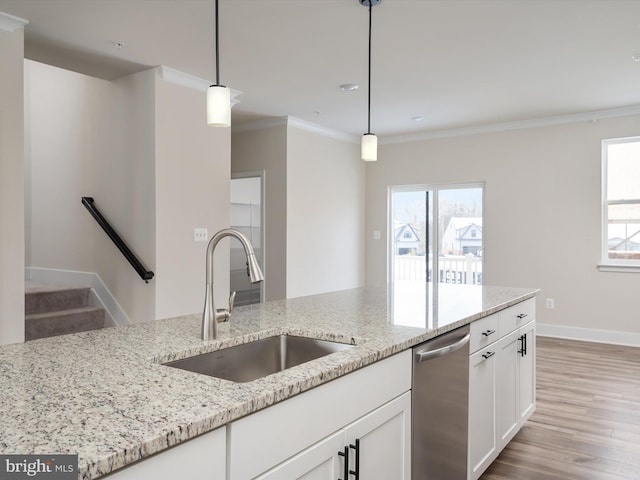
x=54, y=310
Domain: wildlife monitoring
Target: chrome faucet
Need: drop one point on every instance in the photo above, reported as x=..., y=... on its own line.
x=211, y=316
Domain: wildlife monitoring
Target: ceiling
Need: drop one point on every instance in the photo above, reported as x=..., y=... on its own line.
x=457, y=63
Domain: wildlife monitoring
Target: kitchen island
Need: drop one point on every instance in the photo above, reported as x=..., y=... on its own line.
x=105, y=395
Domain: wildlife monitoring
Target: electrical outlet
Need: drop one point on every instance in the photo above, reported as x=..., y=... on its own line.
x=550, y=303
x=200, y=234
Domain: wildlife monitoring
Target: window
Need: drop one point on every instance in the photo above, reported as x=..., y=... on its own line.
x=621, y=202
x=445, y=225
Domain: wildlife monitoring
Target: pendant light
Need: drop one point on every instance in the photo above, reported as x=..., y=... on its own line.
x=218, y=96
x=369, y=147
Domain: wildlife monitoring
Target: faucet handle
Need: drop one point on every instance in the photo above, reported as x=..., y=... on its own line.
x=232, y=300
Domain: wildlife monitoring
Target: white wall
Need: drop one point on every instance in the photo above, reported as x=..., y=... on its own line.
x=12, y=250
x=192, y=190
x=266, y=149
x=66, y=138
x=542, y=214
x=125, y=186
x=314, y=207
x=325, y=214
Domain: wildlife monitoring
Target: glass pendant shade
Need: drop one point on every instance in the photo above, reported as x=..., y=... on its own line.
x=218, y=106
x=369, y=146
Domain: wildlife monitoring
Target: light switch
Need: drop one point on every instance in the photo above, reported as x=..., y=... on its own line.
x=200, y=234
x=376, y=235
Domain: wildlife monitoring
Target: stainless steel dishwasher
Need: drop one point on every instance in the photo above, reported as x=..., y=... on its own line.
x=440, y=398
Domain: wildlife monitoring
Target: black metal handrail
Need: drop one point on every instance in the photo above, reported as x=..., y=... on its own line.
x=145, y=274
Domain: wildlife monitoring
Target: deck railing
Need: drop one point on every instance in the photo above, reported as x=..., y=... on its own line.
x=462, y=269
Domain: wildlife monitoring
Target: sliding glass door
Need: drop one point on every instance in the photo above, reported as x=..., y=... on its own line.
x=435, y=233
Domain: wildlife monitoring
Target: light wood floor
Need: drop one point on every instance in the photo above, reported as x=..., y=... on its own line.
x=587, y=422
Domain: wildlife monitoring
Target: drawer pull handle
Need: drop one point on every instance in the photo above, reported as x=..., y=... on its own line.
x=521, y=316
x=523, y=345
x=345, y=454
x=488, y=355
x=356, y=447
x=486, y=333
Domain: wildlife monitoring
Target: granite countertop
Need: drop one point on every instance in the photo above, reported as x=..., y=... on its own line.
x=104, y=395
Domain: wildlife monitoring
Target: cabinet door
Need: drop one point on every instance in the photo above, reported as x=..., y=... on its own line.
x=319, y=462
x=383, y=442
x=482, y=411
x=507, y=380
x=527, y=364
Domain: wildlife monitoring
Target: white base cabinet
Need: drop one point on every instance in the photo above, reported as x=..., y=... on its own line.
x=501, y=382
x=376, y=447
x=291, y=439
x=527, y=380
x=482, y=412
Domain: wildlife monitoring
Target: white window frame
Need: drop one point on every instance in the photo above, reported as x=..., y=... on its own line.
x=607, y=264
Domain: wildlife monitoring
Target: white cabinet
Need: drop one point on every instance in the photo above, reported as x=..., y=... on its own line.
x=507, y=398
x=278, y=434
x=482, y=411
x=202, y=458
x=375, y=447
x=383, y=442
x=527, y=361
x=501, y=382
x=516, y=381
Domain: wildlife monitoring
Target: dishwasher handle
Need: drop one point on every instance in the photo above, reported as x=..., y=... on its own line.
x=424, y=356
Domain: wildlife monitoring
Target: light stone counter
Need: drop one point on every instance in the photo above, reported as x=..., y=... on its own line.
x=104, y=395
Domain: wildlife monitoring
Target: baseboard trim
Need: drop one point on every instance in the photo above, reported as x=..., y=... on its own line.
x=101, y=296
x=589, y=334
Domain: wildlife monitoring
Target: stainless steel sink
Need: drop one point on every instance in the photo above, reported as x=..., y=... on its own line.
x=253, y=360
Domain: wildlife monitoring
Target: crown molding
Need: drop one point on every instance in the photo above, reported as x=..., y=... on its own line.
x=319, y=129
x=295, y=123
x=10, y=23
x=177, y=77
x=260, y=124
x=592, y=116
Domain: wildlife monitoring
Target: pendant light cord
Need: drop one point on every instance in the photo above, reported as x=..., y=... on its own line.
x=217, y=48
x=369, y=93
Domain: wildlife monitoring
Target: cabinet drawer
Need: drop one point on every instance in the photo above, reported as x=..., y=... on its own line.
x=516, y=316
x=483, y=332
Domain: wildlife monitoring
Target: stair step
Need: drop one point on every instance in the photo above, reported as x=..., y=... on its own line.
x=74, y=320
x=55, y=299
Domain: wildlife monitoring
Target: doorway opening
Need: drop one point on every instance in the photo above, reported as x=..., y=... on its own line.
x=247, y=216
